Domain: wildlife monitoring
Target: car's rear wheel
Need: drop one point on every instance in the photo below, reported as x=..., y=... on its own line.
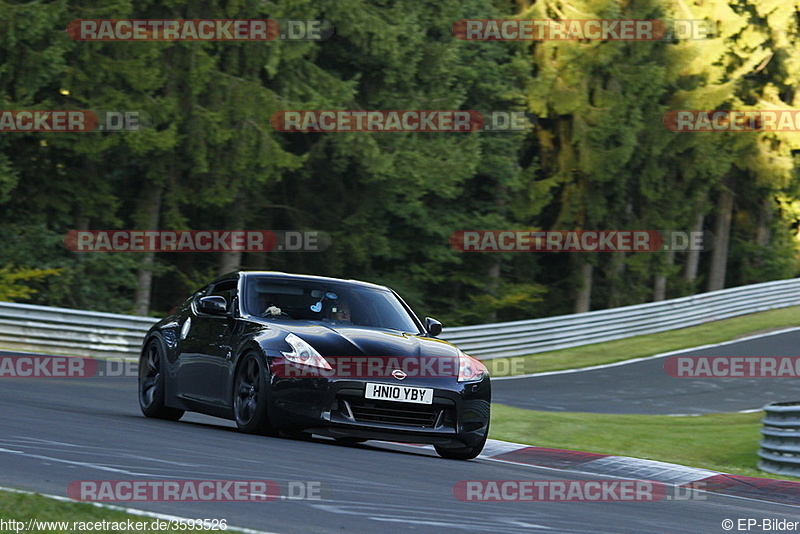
x=250, y=397
x=466, y=453
x=151, y=384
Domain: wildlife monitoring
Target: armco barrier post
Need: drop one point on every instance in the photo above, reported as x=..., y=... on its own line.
x=780, y=446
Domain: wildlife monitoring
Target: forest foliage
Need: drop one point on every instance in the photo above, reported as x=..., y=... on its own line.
x=599, y=157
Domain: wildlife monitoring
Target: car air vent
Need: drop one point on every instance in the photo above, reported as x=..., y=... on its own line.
x=392, y=413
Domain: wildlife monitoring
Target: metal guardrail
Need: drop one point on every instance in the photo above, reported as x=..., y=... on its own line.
x=71, y=332
x=82, y=333
x=780, y=446
x=519, y=338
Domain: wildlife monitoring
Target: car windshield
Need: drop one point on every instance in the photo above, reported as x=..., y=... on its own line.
x=337, y=303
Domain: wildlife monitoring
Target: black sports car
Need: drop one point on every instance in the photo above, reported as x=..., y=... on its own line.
x=303, y=355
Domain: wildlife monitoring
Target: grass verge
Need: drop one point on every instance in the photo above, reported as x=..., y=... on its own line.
x=725, y=442
x=24, y=507
x=647, y=345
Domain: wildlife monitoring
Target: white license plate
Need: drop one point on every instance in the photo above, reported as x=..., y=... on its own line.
x=399, y=393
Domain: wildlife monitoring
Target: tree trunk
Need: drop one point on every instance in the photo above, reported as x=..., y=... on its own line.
x=722, y=232
x=660, y=283
x=693, y=257
x=149, y=212
x=494, y=285
x=764, y=219
x=615, y=271
x=762, y=231
x=584, y=296
x=232, y=260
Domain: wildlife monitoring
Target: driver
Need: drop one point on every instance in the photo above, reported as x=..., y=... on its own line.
x=266, y=305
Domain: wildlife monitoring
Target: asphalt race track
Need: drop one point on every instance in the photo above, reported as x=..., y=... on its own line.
x=643, y=387
x=55, y=431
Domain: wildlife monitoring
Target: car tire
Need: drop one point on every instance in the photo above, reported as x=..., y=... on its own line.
x=466, y=453
x=151, y=383
x=251, y=397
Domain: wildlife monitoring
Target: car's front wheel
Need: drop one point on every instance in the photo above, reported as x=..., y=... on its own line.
x=151, y=383
x=250, y=397
x=465, y=453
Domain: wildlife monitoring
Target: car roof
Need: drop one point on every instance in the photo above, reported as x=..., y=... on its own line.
x=292, y=276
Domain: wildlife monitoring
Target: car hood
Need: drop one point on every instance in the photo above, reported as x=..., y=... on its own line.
x=363, y=352
x=349, y=340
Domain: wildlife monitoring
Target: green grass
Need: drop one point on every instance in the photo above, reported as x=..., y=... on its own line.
x=725, y=442
x=23, y=506
x=647, y=345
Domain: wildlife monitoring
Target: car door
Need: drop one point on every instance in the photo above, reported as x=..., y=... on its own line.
x=206, y=349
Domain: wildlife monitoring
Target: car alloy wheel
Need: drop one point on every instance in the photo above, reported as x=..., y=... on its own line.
x=151, y=384
x=250, y=397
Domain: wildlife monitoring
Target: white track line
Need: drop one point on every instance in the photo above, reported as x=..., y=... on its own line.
x=645, y=358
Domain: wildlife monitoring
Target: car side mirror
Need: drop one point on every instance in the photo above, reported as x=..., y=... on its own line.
x=432, y=326
x=214, y=305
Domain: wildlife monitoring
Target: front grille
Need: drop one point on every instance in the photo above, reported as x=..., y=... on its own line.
x=393, y=413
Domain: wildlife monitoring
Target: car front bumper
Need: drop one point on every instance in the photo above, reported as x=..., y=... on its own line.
x=457, y=417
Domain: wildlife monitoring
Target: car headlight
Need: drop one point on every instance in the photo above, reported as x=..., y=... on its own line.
x=304, y=354
x=470, y=368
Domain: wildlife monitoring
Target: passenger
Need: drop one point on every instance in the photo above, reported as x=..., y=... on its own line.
x=340, y=311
